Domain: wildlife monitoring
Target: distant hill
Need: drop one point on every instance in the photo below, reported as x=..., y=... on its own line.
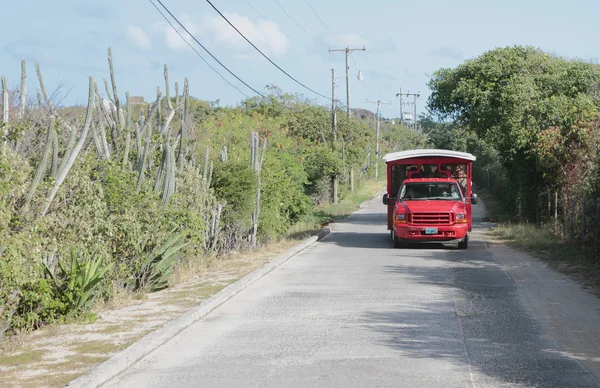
x=360, y=113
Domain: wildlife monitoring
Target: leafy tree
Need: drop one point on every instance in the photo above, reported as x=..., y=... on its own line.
x=537, y=110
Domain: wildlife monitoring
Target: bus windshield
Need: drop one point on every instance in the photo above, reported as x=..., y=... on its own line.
x=430, y=191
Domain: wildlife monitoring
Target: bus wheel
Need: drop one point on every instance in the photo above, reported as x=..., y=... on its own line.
x=464, y=244
x=397, y=242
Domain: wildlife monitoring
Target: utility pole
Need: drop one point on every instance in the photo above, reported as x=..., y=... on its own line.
x=348, y=50
x=378, y=114
x=334, y=128
x=333, y=106
x=414, y=95
x=401, y=115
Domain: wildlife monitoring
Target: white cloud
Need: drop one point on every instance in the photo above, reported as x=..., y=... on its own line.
x=216, y=30
x=262, y=33
x=171, y=36
x=354, y=39
x=138, y=37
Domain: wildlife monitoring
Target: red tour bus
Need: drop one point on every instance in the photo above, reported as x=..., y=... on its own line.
x=429, y=196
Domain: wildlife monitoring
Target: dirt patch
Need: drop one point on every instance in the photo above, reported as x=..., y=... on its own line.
x=56, y=355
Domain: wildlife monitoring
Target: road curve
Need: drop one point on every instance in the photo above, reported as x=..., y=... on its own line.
x=351, y=311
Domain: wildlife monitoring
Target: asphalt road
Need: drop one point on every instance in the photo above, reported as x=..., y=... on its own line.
x=351, y=311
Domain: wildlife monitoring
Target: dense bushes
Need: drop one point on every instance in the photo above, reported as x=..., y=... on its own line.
x=538, y=111
x=155, y=185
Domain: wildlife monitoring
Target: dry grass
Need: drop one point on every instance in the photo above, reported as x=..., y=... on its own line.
x=541, y=241
x=322, y=215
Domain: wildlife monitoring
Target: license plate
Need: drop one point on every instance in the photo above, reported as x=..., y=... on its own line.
x=431, y=230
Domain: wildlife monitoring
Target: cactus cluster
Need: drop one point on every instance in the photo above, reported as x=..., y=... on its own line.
x=110, y=131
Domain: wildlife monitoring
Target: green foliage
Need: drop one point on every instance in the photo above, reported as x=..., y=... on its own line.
x=235, y=183
x=538, y=111
x=38, y=305
x=158, y=267
x=108, y=211
x=77, y=282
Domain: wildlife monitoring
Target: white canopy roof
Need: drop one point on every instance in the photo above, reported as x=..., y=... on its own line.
x=427, y=153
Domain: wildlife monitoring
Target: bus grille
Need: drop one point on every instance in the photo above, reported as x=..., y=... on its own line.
x=431, y=218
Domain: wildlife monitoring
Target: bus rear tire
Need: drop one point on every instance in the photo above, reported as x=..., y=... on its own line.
x=464, y=244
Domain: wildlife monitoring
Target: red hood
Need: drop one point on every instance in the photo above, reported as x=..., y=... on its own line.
x=432, y=206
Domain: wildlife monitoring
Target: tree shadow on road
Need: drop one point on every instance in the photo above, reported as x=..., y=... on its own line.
x=479, y=309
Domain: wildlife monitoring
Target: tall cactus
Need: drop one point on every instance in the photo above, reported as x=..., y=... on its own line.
x=113, y=80
x=62, y=174
x=167, y=88
x=126, y=152
x=127, y=129
x=4, y=113
x=205, y=169
x=5, y=106
x=170, y=169
x=184, y=119
x=68, y=150
x=54, y=168
x=50, y=105
x=42, y=167
x=42, y=86
x=224, y=156
x=215, y=234
x=159, y=116
x=138, y=137
x=143, y=156
x=210, y=173
x=161, y=169
x=23, y=92
x=109, y=115
x=102, y=124
x=257, y=162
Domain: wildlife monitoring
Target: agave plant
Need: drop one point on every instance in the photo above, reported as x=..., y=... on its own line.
x=78, y=281
x=158, y=267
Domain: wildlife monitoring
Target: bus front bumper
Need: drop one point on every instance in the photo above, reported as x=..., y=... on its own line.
x=431, y=233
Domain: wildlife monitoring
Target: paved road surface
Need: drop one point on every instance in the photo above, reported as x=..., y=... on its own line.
x=352, y=312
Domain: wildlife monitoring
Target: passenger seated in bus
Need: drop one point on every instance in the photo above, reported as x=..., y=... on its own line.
x=461, y=178
x=410, y=193
x=426, y=172
x=445, y=171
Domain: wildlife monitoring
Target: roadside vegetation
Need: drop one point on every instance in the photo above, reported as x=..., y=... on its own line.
x=115, y=197
x=544, y=241
x=532, y=119
x=64, y=352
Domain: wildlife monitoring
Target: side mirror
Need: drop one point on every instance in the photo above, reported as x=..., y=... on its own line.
x=474, y=199
x=386, y=199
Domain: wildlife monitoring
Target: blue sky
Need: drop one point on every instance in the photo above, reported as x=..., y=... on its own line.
x=405, y=41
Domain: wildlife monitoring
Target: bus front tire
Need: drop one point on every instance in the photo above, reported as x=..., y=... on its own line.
x=397, y=242
x=464, y=244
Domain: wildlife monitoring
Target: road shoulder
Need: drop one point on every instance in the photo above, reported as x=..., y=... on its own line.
x=569, y=313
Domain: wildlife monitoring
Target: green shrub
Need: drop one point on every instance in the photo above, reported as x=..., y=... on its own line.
x=38, y=305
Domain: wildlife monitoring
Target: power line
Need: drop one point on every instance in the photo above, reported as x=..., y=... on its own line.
x=371, y=73
x=275, y=25
x=364, y=84
x=196, y=51
x=318, y=17
x=263, y=54
x=205, y=49
x=299, y=26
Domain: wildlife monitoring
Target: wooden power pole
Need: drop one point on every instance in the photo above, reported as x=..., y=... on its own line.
x=378, y=117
